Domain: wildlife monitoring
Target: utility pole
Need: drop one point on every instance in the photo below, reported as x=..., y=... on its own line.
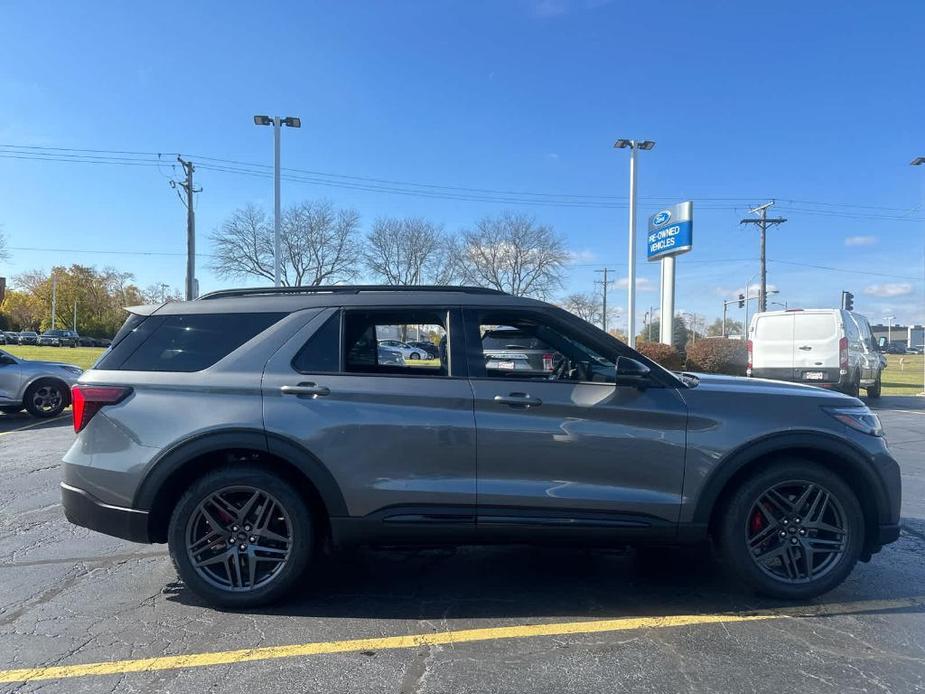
x=192, y=291
x=75, y=316
x=763, y=223
x=605, y=285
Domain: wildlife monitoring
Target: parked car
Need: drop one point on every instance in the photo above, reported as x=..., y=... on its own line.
x=40, y=387
x=390, y=357
x=830, y=348
x=58, y=338
x=509, y=349
x=12, y=338
x=892, y=347
x=28, y=337
x=250, y=427
x=407, y=351
x=432, y=351
x=2, y=338
x=87, y=341
x=916, y=349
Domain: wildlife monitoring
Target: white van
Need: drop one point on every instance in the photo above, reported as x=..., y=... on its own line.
x=823, y=347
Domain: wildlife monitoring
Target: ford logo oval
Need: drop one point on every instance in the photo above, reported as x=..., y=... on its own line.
x=661, y=218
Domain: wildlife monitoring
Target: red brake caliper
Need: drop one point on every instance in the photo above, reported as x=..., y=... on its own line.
x=757, y=522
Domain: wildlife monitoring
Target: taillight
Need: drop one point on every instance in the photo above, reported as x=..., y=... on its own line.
x=87, y=400
x=748, y=347
x=547, y=362
x=843, y=354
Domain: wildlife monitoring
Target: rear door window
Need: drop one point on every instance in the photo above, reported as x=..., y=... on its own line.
x=185, y=343
x=376, y=342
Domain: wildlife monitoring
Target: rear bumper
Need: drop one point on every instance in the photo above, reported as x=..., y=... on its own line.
x=831, y=377
x=83, y=509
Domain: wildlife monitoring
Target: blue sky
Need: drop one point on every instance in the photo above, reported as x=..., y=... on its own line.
x=819, y=103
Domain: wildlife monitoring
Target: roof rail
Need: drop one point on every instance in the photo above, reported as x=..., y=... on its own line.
x=344, y=289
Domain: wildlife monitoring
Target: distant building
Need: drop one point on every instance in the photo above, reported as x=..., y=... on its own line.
x=908, y=336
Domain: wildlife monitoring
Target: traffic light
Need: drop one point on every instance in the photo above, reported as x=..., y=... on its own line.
x=741, y=301
x=847, y=301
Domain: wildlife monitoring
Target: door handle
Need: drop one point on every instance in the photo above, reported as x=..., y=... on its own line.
x=312, y=389
x=524, y=400
x=805, y=348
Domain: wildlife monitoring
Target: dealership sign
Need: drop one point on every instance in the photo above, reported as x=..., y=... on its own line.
x=671, y=231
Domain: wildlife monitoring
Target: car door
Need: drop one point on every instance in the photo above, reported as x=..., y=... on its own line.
x=816, y=348
x=567, y=451
x=10, y=377
x=399, y=441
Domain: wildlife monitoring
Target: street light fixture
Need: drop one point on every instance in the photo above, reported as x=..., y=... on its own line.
x=633, y=146
x=277, y=122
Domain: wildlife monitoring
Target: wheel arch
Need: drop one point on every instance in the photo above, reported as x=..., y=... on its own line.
x=837, y=455
x=169, y=475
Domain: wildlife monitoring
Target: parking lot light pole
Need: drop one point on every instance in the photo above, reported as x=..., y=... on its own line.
x=919, y=161
x=277, y=122
x=632, y=145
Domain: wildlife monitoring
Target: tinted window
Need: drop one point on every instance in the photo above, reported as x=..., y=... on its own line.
x=522, y=347
x=186, y=343
x=376, y=342
x=321, y=353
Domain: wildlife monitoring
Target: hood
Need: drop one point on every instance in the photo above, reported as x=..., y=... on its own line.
x=740, y=384
x=39, y=365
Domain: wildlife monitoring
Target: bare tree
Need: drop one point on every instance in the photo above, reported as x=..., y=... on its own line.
x=585, y=305
x=514, y=254
x=410, y=251
x=319, y=244
x=4, y=251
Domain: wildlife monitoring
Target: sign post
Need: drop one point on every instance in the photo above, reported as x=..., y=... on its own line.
x=671, y=233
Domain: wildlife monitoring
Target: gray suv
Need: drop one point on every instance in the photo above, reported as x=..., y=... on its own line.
x=251, y=427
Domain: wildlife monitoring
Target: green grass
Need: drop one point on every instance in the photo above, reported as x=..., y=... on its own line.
x=905, y=379
x=81, y=356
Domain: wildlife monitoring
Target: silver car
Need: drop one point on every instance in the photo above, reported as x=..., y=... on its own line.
x=250, y=427
x=41, y=387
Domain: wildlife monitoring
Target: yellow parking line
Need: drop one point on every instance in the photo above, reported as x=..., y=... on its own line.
x=119, y=667
x=34, y=424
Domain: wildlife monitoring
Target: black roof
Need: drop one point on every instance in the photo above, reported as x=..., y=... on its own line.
x=288, y=299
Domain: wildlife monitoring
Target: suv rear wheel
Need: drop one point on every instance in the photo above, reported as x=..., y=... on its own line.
x=793, y=530
x=874, y=390
x=240, y=537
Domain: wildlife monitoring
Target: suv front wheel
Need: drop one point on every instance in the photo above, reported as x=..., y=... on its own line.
x=240, y=537
x=794, y=530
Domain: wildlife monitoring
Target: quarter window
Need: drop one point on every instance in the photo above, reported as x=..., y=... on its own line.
x=321, y=353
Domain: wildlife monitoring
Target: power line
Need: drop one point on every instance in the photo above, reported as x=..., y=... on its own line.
x=121, y=157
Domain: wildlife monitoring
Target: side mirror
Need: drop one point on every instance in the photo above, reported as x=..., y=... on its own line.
x=881, y=344
x=630, y=372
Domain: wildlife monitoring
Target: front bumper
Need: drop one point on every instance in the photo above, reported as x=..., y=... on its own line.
x=83, y=509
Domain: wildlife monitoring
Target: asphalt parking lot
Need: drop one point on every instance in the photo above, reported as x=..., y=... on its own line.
x=471, y=620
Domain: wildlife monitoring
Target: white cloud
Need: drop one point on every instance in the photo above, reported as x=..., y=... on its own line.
x=889, y=289
x=643, y=284
x=582, y=256
x=552, y=156
x=861, y=240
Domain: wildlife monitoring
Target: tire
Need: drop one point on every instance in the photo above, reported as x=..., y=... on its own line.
x=784, y=575
x=853, y=387
x=47, y=397
x=414, y=355
x=874, y=391
x=273, y=577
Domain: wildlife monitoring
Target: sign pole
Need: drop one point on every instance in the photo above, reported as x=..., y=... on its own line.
x=666, y=316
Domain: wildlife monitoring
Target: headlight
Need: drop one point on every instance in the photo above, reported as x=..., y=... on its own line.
x=858, y=418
